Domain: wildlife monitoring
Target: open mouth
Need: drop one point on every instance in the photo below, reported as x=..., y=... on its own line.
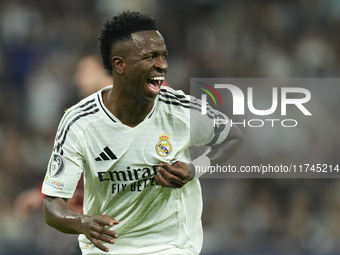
x=155, y=83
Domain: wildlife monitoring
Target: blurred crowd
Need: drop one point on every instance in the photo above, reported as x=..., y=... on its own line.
x=42, y=44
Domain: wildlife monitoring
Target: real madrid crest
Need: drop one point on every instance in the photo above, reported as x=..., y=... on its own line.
x=163, y=147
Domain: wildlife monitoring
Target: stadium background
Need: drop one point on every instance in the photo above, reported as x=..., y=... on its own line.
x=41, y=42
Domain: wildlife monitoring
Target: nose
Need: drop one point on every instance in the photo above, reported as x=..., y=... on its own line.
x=161, y=65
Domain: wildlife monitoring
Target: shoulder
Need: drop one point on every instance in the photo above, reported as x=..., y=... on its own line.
x=174, y=105
x=174, y=100
x=82, y=112
x=82, y=104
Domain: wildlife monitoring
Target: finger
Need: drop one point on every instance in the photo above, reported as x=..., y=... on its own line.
x=174, y=170
x=161, y=181
x=112, y=221
x=99, y=245
x=100, y=230
x=170, y=177
x=109, y=232
x=165, y=183
x=104, y=236
x=105, y=220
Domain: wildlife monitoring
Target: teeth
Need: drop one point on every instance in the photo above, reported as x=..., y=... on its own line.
x=157, y=78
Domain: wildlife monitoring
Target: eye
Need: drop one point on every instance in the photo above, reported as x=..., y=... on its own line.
x=149, y=57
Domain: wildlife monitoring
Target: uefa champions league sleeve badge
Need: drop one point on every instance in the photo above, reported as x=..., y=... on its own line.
x=57, y=165
x=163, y=147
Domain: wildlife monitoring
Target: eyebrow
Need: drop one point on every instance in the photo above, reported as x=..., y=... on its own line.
x=157, y=52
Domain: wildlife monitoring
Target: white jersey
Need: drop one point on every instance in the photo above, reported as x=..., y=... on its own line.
x=120, y=163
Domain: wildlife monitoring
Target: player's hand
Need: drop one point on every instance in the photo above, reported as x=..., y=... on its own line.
x=173, y=176
x=94, y=228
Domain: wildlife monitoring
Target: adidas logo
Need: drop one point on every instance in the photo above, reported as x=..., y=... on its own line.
x=109, y=155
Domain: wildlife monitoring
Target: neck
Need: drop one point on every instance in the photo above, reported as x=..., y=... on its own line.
x=129, y=111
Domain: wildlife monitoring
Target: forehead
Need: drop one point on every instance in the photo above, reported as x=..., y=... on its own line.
x=146, y=41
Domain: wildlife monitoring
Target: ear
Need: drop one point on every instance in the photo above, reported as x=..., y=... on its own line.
x=118, y=64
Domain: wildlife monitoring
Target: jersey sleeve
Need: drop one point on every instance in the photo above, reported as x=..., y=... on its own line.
x=207, y=129
x=66, y=162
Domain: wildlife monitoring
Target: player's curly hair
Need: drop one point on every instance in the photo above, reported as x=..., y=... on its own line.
x=119, y=28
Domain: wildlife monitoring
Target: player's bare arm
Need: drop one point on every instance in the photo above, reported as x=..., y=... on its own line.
x=59, y=215
x=224, y=151
x=178, y=174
